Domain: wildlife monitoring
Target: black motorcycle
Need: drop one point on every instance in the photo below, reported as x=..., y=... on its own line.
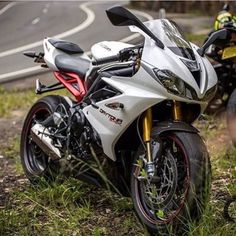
x=222, y=52
x=223, y=57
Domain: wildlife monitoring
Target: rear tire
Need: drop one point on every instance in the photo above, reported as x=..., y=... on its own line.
x=36, y=164
x=168, y=210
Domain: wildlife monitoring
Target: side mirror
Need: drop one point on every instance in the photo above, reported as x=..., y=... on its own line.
x=217, y=36
x=119, y=16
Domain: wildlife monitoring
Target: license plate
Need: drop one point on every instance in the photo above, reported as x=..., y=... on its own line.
x=229, y=52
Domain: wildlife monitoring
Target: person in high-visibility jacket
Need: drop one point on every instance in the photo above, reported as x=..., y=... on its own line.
x=224, y=17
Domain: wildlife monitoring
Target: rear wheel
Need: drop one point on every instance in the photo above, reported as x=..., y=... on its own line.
x=35, y=162
x=180, y=188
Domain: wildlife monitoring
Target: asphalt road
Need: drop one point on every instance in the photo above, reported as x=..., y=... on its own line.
x=23, y=26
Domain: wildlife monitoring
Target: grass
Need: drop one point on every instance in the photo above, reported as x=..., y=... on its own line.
x=223, y=159
x=12, y=100
x=198, y=39
x=46, y=210
x=15, y=100
x=74, y=208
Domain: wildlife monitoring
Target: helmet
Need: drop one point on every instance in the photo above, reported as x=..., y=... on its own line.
x=234, y=19
x=222, y=18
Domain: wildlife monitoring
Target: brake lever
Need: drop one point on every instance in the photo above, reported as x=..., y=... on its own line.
x=125, y=54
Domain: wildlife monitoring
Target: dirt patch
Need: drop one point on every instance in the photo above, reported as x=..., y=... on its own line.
x=11, y=126
x=9, y=178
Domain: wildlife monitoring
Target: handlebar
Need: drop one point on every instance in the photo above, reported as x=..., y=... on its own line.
x=105, y=60
x=123, y=54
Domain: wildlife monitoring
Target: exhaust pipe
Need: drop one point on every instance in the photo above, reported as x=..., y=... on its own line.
x=41, y=136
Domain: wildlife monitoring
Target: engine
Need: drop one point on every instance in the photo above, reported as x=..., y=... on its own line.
x=65, y=134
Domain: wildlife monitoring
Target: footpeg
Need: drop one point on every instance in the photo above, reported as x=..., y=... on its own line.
x=41, y=88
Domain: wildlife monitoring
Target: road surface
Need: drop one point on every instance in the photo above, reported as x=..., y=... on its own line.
x=25, y=24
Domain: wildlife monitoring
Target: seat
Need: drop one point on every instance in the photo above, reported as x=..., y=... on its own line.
x=68, y=47
x=74, y=64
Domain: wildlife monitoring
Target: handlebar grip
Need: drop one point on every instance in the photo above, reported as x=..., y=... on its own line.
x=105, y=60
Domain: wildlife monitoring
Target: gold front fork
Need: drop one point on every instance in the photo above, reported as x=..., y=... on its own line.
x=147, y=128
x=177, y=114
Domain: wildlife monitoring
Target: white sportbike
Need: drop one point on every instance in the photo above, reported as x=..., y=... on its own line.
x=128, y=126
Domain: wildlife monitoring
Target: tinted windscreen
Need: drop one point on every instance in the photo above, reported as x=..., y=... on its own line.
x=183, y=52
x=168, y=32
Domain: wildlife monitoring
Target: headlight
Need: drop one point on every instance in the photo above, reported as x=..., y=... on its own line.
x=191, y=64
x=178, y=87
x=171, y=82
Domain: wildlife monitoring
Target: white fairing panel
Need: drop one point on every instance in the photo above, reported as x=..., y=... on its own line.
x=143, y=90
x=107, y=48
x=50, y=53
x=138, y=93
x=167, y=60
x=208, y=70
x=136, y=98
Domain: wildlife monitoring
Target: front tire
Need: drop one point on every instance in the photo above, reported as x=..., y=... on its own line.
x=179, y=196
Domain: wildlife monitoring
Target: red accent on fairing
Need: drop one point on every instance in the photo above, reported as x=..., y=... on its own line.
x=73, y=83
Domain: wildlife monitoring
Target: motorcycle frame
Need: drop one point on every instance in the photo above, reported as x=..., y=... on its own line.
x=73, y=83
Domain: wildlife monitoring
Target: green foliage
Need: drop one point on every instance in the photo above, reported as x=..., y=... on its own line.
x=74, y=208
x=71, y=208
x=160, y=214
x=13, y=99
x=10, y=149
x=143, y=173
x=212, y=222
x=196, y=38
x=46, y=210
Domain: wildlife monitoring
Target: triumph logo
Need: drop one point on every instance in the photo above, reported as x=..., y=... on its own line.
x=105, y=46
x=115, y=105
x=111, y=117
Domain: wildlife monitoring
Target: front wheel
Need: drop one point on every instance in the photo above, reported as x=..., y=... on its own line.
x=177, y=193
